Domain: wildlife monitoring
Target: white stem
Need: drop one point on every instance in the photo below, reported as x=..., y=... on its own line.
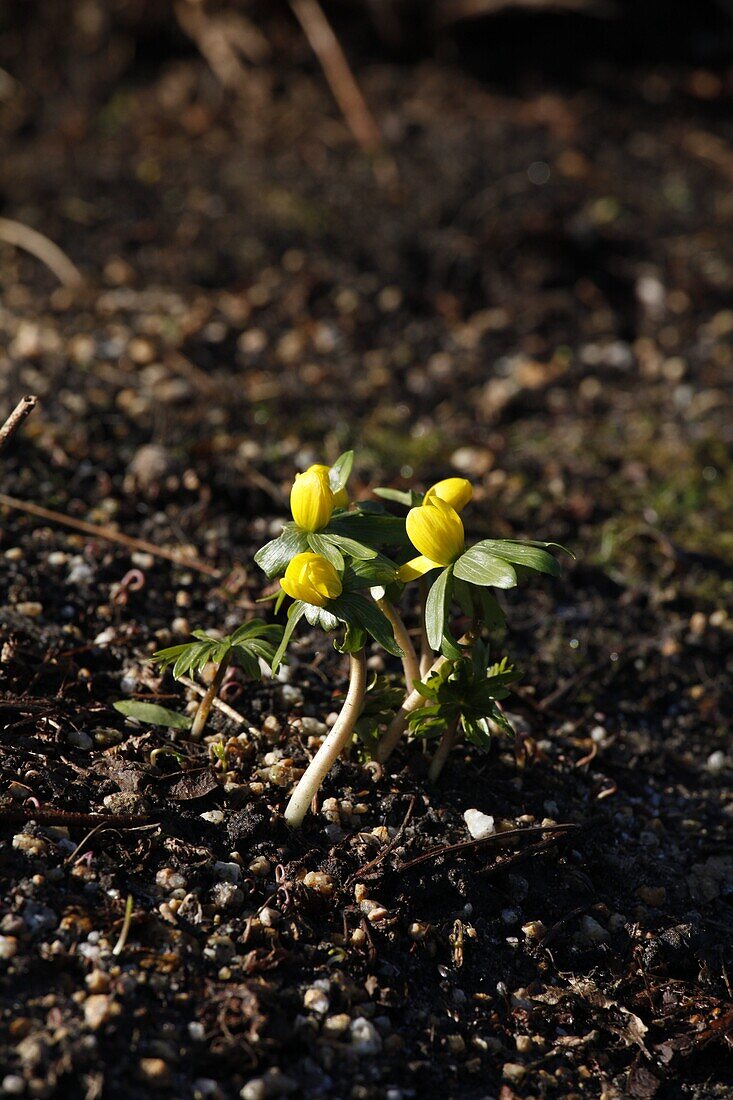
x=426, y=654
x=398, y=725
x=442, y=752
x=413, y=702
x=410, y=662
x=335, y=742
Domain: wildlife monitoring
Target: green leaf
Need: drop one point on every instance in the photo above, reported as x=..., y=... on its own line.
x=274, y=557
x=410, y=499
x=296, y=611
x=367, y=574
x=247, y=661
x=548, y=546
x=359, y=611
x=169, y=656
x=492, y=614
x=257, y=629
x=370, y=529
x=318, y=616
x=477, y=566
x=152, y=713
x=325, y=547
x=350, y=546
x=531, y=557
x=436, y=607
x=339, y=473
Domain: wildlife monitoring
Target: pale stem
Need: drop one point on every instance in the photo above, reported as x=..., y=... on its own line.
x=413, y=702
x=333, y=745
x=207, y=701
x=443, y=750
x=426, y=654
x=410, y=662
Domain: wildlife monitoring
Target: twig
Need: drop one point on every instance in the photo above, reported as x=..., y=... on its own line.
x=18, y=815
x=218, y=703
x=30, y=240
x=221, y=40
x=387, y=848
x=488, y=841
x=517, y=857
x=22, y=410
x=332, y=59
x=110, y=534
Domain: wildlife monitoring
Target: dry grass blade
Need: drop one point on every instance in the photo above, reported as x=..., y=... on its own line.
x=33, y=242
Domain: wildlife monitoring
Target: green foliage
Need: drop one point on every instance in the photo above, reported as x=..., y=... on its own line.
x=466, y=690
x=153, y=714
x=340, y=472
x=250, y=643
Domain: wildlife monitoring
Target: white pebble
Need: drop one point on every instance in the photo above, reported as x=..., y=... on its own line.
x=479, y=825
x=365, y=1039
x=716, y=762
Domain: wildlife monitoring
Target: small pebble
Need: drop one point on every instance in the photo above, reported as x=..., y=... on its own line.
x=591, y=933
x=80, y=740
x=365, y=1039
x=315, y=1000
x=716, y=762
x=155, y=1071
x=8, y=947
x=98, y=1009
x=480, y=825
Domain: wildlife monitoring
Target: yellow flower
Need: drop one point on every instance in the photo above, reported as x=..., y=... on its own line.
x=311, y=578
x=436, y=530
x=341, y=498
x=311, y=499
x=456, y=491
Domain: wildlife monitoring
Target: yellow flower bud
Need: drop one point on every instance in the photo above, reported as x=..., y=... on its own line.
x=436, y=530
x=311, y=499
x=456, y=491
x=341, y=499
x=309, y=577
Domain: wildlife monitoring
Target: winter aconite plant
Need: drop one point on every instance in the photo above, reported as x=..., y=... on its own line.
x=345, y=567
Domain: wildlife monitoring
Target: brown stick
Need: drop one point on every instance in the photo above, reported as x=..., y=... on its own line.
x=22, y=410
x=346, y=91
x=30, y=240
x=108, y=533
x=219, y=704
x=495, y=838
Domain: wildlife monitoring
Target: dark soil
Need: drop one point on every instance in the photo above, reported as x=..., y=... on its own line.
x=540, y=301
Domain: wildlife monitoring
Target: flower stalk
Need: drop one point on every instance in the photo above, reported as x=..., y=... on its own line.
x=410, y=663
x=207, y=701
x=447, y=741
x=426, y=654
x=413, y=702
x=337, y=739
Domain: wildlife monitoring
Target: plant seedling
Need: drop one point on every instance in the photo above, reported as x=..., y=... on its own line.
x=463, y=699
x=254, y=642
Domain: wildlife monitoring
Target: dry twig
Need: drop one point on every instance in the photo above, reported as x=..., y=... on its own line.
x=109, y=534
x=341, y=81
x=22, y=410
x=30, y=240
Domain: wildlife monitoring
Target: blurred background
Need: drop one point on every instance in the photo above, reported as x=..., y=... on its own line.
x=473, y=237
x=469, y=236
